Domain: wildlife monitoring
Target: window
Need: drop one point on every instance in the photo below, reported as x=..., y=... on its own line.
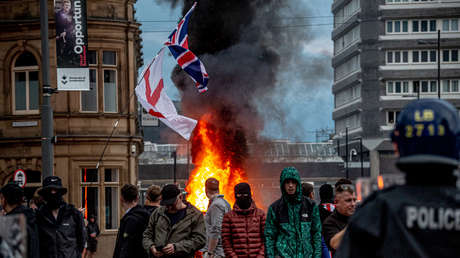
x=433, y=25
x=392, y=116
x=347, y=95
x=415, y=57
x=454, y=55
x=101, y=184
x=26, y=89
x=397, y=26
x=397, y=57
x=389, y=26
x=390, y=88
x=450, y=55
x=424, y=86
x=424, y=55
x=424, y=26
x=433, y=86
x=347, y=68
x=347, y=40
x=89, y=98
x=450, y=25
x=389, y=57
x=415, y=27
x=397, y=87
x=343, y=14
x=109, y=58
x=110, y=91
x=446, y=85
x=405, y=56
x=432, y=56
x=416, y=86
x=350, y=122
x=454, y=84
x=107, y=86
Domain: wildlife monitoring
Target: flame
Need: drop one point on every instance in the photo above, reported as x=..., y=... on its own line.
x=212, y=160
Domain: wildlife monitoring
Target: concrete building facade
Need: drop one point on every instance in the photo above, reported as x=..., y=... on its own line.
x=83, y=121
x=385, y=55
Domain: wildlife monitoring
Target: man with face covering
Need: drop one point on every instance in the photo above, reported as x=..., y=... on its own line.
x=293, y=227
x=60, y=225
x=243, y=227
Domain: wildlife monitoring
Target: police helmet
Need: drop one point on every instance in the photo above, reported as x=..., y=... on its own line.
x=428, y=132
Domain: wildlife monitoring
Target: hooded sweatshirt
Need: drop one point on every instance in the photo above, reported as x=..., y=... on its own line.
x=293, y=226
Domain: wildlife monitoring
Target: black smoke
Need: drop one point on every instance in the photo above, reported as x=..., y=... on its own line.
x=248, y=47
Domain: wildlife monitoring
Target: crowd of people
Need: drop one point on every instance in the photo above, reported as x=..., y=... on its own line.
x=418, y=219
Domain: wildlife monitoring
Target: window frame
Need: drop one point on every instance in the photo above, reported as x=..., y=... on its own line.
x=101, y=186
x=116, y=90
x=94, y=67
x=27, y=70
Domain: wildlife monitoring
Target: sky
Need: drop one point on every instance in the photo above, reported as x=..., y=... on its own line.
x=303, y=111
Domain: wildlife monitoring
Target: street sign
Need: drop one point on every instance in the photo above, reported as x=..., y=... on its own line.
x=20, y=177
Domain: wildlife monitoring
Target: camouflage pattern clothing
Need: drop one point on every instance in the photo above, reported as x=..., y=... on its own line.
x=293, y=226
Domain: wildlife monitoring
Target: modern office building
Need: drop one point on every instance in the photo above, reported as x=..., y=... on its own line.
x=385, y=55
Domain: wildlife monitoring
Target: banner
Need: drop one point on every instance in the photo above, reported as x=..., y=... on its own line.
x=71, y=45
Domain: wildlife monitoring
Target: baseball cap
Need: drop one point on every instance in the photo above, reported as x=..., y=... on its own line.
x=169, y=194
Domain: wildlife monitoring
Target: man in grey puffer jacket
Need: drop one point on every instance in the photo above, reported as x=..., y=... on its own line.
x=217, y=207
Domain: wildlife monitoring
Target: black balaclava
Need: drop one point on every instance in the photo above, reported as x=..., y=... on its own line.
x=244, y=202
x=53, y=201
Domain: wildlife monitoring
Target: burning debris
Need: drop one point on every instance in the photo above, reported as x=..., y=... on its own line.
x=218, y=153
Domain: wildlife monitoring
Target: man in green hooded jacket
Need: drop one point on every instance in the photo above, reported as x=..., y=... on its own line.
x=293, y=225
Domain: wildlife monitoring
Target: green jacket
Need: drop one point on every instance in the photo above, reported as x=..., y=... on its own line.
x=188, y=235
x=293, y=225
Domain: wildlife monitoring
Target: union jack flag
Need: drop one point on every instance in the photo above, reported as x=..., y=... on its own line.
x=191, y=65
x=179, y=36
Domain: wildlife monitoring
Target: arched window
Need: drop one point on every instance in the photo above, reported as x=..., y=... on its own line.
x=25, y=81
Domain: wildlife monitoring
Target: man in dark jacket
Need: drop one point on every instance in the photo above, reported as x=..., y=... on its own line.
x=293, y=226
x=11, y=198
x=335, y=225
x=326, y=206
x=176, y=229
x=243, y=227
x=422, y=217
x=132, y=225
x=60, y=225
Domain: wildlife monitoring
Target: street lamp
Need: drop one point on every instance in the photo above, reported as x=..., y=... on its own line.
x=360, y=154
x=439, y=60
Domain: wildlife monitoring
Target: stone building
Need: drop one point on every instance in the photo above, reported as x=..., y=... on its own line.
x=84, y=120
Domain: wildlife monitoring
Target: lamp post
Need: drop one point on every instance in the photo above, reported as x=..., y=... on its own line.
x=174, y=156
x=425, y=42
x=346, y=152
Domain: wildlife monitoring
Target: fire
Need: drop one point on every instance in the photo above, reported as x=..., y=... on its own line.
x=212, y=159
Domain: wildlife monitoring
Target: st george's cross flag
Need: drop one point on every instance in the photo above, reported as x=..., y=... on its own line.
x=150, y=93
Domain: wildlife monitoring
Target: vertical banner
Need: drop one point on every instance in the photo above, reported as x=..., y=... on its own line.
x=71, y=45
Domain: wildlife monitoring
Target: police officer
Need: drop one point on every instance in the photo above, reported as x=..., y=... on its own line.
x=422, y=217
